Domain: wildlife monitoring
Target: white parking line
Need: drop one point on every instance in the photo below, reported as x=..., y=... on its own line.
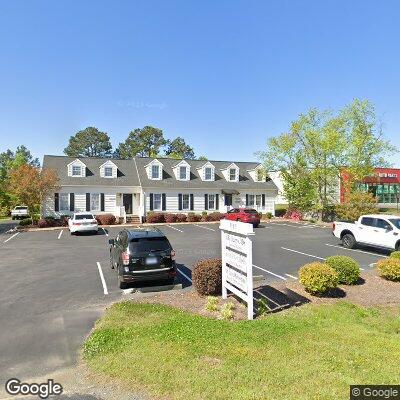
x=304, y=254
x=271, y=273
x=182, y=273
x=204, y=227
x=358, y=251
x=283, y=224
x=103, y=281
x=292, y=276
x=172, y=227
x=105, y=231
x=15, y=234
x=61, y=232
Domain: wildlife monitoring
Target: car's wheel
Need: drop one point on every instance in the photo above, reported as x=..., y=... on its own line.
x=122, y=285
x=255, y=225
x=349, y=241
x=397, y=247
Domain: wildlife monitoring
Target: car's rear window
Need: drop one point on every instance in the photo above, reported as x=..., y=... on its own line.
x=21, y=208
x=149, y=244
x=250, y=211
x=84, y=216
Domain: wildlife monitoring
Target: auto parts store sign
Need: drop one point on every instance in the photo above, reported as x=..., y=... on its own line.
x=237, y=261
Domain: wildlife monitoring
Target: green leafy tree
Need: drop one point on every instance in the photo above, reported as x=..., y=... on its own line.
x=356, y=203
x=144, y=142
x=202, y=158
x=178, y=148
x=89, y=142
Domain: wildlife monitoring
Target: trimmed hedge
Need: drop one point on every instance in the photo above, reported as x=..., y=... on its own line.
x=318, y=278
x=207, y=276
x=170, y=218
x=348, y=269
x=192, y=217
x=181, y=218
x=155, y=217
x=25, y=222
x=106, y=219
x=395, y=255
x=389, y=268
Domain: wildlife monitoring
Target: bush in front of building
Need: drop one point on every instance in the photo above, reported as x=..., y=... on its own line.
x=169, y=217
x=356, y=204
x=347, y=269
x=206, y=218
x=193, y=217
x=395, y=254
x=294, y=215
x=105, y=219
x=318, y=278
x=216, y=216
x=389, y=268
x=207, y=276
x=181, y=218
x=25, y=222
x=155, y=217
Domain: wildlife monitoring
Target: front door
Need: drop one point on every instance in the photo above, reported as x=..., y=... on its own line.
x=127, y=202
x=228, y=200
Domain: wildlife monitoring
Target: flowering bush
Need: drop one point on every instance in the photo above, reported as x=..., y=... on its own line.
x=106, y=219
x=170, y=218
x=294, y=215
x=215, y=216
x=181, y=218
x=155, y=217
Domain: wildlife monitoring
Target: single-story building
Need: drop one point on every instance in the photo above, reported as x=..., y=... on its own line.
x=130, y=188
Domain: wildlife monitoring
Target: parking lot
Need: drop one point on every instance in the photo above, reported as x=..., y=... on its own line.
x=54, y=285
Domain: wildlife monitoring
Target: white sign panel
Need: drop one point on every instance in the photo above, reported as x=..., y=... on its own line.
x=237, y=261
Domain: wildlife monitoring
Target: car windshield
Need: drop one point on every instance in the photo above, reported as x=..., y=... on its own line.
x=84, y=216
x=251, y=211
x=139, y=245
x=21, y=208
x=395, y=222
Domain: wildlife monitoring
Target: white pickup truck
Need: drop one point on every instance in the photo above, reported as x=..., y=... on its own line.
x=19, y=212
x=381, y=231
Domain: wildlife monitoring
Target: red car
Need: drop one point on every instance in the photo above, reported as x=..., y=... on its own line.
x=248, y=215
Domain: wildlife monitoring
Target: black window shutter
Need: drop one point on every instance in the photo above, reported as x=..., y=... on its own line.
x=72, y=202
x=191, y=201
x=102, y=202
x=206, y=201
x=151, y=202
x=247, y=199
x=87, y=201
x=217, y=201
x=56, y=202
x=263, y=200
x=164, y=202
x=180, y=201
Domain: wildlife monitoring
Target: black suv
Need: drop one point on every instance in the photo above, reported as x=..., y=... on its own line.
x=142, y=255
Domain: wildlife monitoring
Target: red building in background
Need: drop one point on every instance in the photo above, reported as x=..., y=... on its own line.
x=384, y=185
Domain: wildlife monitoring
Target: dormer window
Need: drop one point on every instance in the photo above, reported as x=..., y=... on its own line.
x=108, y=172
x=155, y=171
x=207, y=173
x=259, y=175
x=76, y=170
x=232, y=174
x=182, y=173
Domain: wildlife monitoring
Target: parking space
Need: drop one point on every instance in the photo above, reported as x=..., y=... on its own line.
x=53, y=279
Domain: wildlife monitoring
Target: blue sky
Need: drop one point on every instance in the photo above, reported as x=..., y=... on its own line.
x=225, y=75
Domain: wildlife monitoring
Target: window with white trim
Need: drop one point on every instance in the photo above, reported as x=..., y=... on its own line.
x=157, y=201
x=182, y=173
x=232, y=174
x=108, y=172
x=94, y=201
x=207, y=173
x=258, y=200
x=251, y=200
x=185, y=202
x=64, y=202
x=76, y=170
x=155, y=171
x=211, y=201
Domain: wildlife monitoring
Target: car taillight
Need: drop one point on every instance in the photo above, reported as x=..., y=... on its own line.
x=333, y=226
x=173, y=253
x=125, y=258
x=77, y=223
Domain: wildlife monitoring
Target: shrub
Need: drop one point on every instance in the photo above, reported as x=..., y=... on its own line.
x=269, y=215
x=42, y=223
x=106, y=219
x=318, y=278
x=356, y=204
x=226, y=313
x=64, y=220
x=206, y=218
x=154, y=217
x=170, y=218
x=181, y=218
x=207, y=276
x=347, y=269
x=212, y=303
x=192, y=217
x=293, y=214
x=280, y=210
x=25, y=222
x=395, y=255
x=389, y=268
x=215, y=216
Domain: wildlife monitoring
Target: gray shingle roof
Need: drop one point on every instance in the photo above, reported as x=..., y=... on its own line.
x=195, y=182
x=127, y=175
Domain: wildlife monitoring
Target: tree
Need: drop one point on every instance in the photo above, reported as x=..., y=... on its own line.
x=202, y=158
x=33, y=185
x=356, y=203
x=144, y=142
x=89, y=142
x=178, y=148
x=326, y=143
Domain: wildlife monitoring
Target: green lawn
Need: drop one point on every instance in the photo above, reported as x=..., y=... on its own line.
x=311, y=352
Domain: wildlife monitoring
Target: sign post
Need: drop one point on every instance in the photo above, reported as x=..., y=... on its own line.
x=237, y=261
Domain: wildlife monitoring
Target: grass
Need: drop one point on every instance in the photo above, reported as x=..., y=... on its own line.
x=311, y=352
